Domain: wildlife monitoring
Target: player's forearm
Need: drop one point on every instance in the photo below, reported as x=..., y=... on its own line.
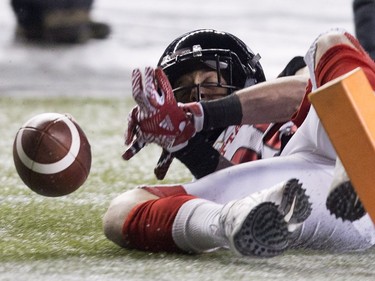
x=267, y=102
x=274, y=101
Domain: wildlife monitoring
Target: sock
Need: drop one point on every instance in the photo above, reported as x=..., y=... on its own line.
x=148, y=226
x=196, y=226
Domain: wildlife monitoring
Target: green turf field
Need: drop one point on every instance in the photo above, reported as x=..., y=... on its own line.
x=61, y=238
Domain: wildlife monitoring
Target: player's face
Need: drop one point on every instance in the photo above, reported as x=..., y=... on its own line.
x=199, y=85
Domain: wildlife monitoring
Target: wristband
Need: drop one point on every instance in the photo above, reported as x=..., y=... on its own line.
x=222, y=113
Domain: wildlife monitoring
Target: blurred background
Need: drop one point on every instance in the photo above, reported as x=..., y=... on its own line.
x=140, y=31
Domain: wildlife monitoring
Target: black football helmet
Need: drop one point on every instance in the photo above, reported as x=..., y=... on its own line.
x=214, y=50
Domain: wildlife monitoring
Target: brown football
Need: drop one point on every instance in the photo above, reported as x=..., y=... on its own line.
x=52, y=154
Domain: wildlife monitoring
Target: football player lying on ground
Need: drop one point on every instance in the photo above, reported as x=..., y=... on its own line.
x=255, y=208
x=224, y=57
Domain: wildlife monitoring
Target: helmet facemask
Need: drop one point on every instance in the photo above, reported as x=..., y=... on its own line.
x=211, y=50
x=187, y=60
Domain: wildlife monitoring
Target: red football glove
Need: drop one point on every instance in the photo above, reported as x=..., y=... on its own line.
x=157, y=118
x=194, y=111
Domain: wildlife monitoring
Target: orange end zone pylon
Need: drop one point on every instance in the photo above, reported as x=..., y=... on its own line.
x=346, y=108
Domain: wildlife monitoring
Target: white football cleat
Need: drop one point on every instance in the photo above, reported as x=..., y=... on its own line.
x=260, y=224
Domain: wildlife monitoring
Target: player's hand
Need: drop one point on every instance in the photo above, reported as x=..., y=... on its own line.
x=157, y=118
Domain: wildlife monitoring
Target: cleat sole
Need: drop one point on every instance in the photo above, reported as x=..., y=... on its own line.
x=344, y=203
x=263, y=233
x=294, y=196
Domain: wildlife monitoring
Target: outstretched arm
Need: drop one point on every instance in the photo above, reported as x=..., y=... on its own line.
x=273, y=101
x=267, y=102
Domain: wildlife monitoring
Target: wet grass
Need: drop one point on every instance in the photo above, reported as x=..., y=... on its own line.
x=61, y=238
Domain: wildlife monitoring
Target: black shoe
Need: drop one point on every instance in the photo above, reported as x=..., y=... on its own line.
x=67, y=26
x=77, y=34
x=99, y=30
x=64, y=26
